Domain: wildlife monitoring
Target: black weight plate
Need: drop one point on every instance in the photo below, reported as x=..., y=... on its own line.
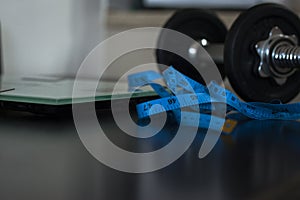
x=197, y=24
x=241, y=59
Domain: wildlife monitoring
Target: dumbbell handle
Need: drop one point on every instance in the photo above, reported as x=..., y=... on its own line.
x=215, y=50
x=285, y=56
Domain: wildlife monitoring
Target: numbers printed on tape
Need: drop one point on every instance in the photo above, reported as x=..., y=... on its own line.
x=189, y=93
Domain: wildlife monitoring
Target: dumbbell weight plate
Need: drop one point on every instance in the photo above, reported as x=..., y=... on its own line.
x=241, y=59
x=197, y=24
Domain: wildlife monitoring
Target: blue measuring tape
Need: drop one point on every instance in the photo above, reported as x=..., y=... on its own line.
x=183, y=92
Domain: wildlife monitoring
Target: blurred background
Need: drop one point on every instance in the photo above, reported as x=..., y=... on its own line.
x=54, y=36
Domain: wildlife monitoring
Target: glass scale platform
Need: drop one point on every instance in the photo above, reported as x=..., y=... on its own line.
x=58, y=91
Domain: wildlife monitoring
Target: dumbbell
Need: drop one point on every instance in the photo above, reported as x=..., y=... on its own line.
x=259, y=54
x=201, y=25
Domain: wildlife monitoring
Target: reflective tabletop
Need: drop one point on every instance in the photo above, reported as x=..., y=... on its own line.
x=42, y=157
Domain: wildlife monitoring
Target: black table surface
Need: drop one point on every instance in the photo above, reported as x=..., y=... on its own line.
x=42, y=157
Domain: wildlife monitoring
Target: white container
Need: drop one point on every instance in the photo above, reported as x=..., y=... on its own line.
x=49, y=36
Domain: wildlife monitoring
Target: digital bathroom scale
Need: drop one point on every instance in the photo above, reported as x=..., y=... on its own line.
x=53, y=95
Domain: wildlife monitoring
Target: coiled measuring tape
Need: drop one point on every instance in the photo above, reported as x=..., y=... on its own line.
x=184, y=92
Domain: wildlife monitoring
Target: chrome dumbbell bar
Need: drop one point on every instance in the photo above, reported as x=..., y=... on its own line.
x=279, y=55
